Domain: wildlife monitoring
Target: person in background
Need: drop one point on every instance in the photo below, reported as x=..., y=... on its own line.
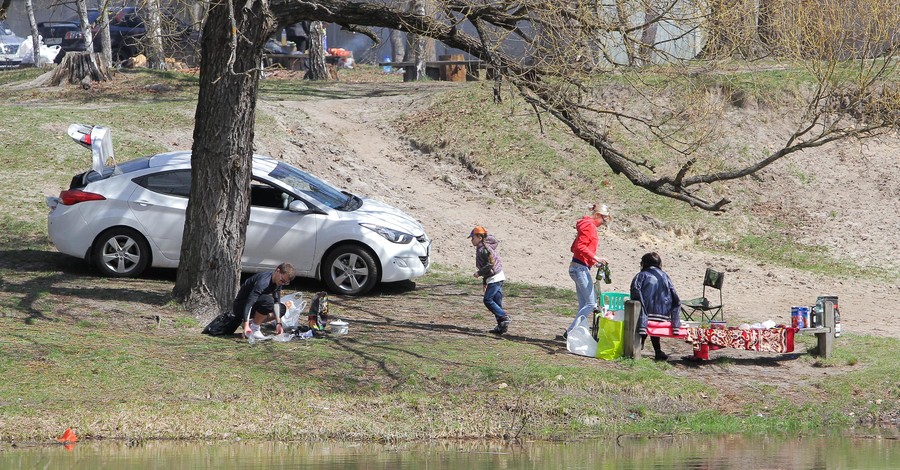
x=298, y=33
x=584, y=257
x=489, y=267
x=259, y=299
x=659, y=301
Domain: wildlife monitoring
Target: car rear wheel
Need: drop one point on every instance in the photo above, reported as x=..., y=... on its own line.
x=350, y=270
x=121, y=252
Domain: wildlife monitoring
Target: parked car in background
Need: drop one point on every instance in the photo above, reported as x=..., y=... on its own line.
x=65, y=34
x=127, y=31
x=9, y=48
x=124, y=218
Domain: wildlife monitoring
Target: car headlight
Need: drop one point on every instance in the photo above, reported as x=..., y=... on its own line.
x=391, y=235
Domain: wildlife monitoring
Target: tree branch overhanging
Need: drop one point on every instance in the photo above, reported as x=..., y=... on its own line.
x=565, y=49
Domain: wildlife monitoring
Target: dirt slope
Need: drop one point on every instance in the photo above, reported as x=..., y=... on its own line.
x=350, y=142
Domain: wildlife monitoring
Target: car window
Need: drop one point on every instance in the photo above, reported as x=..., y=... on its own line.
x=122, y=168
x=266, y=195
x=173, y=183
x=309, y=185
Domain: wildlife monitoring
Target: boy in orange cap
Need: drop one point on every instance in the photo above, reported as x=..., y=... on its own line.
x=489, y=267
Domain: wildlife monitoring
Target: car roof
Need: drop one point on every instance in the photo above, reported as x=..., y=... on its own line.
x=56, y=24
x=183, y=157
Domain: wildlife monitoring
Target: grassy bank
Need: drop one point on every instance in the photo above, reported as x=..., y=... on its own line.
x=117, y=359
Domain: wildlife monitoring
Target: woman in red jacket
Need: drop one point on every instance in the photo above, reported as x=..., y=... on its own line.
x=584, y=257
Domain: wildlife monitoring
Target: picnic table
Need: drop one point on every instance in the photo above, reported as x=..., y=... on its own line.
x=295, y=61
x=779, y=340
x=453, y=68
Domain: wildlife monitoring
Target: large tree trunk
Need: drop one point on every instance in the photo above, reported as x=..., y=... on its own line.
x=415, y=47
x=648, y=35
x=317, y=69
x=105, y=40
x=35, y=36
x=86, y=31
x=156, y=58
x=218, y=210
x=397, y=47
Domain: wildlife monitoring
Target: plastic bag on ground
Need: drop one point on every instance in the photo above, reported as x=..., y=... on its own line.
x=610, y=338
x=579, y=340
x=47, y=53
x=258, y=336
x=283, y=338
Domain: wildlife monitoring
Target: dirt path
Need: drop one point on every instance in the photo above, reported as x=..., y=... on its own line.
x=351, y=142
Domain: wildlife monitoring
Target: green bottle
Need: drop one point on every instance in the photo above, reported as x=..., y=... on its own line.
x=603, y=273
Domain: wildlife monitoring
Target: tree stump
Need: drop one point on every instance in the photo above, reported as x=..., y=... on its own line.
x=81, y=67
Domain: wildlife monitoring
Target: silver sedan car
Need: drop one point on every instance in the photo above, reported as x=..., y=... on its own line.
x=125, y=217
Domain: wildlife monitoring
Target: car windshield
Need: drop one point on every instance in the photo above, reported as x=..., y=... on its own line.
x=314, y=187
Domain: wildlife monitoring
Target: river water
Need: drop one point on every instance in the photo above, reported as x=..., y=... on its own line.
x=728, y=452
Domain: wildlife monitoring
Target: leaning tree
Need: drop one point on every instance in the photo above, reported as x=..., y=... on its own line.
x=567, y=59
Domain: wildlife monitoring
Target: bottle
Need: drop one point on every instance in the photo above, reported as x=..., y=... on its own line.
x=606, y=277
x=837, y=322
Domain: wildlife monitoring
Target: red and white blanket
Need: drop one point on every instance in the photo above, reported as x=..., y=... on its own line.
x=777, y=340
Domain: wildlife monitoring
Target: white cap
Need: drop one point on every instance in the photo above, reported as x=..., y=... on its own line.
x=602, y=209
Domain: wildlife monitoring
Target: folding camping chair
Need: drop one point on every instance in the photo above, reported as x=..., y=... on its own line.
x=708, y=311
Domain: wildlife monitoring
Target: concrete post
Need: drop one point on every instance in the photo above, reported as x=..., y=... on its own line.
x=826, y=339
x=631, y=341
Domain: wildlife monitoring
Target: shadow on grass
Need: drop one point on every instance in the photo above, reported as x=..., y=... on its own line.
x=44, y=273
x=772, y=361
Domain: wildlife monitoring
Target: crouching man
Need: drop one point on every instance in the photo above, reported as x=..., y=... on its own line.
x=259, y=299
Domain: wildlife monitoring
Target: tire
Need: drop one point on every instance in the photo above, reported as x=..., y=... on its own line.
x=350, y=270
x=121, y=252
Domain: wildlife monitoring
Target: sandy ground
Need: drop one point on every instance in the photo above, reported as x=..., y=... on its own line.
x=351, y=143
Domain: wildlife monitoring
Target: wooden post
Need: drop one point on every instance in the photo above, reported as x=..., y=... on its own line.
x=826, y=338
x=453, y=72
x=630, y=340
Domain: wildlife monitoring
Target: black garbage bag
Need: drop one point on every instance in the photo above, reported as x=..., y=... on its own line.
x=225, y=324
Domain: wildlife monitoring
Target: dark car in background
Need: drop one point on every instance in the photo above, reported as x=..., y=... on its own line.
x=127, y=30
x=65, y=34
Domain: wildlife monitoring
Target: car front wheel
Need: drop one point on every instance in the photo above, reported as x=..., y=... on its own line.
x=350, y=270
x=121, y=252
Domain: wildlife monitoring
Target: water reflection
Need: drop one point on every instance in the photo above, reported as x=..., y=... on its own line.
x=737, y=452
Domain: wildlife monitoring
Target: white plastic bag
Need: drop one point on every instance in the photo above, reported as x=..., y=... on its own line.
x=295, y=308
x=283, y=338
x=579, y=340
x=47, y=53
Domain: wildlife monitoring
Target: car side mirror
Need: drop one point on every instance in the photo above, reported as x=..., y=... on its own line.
x=298, y=206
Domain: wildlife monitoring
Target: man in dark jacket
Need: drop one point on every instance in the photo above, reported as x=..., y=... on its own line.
x=298, y=33
x=259, y=299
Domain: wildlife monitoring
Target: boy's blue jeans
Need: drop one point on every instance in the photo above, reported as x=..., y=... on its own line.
x=493, y=300
x=584, y=288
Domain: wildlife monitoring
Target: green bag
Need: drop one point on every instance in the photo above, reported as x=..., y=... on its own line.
x=610, y=336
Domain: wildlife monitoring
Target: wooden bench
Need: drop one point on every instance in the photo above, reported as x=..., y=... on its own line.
x=824, y=334
x=442, y=70
x=288, y=61
x=295, y=61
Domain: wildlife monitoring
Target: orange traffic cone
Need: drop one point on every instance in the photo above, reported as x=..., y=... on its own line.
x=68, y=436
